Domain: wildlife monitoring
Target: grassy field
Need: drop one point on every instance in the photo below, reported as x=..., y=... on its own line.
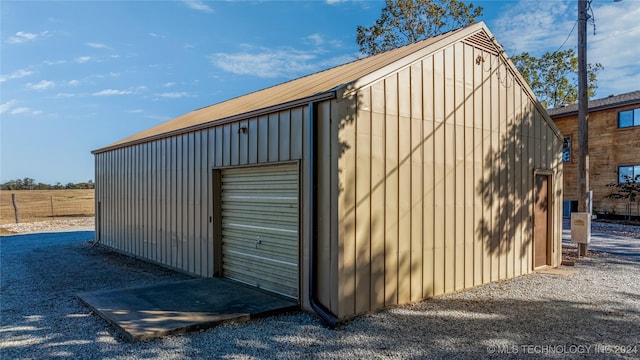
x=45, y=205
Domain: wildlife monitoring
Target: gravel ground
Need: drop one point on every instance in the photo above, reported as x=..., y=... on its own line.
x=591, y=313
x=83, y=223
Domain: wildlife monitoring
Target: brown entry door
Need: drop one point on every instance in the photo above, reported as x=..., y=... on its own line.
x=541, y=221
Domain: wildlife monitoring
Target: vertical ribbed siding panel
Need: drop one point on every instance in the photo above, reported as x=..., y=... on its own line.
x=469, y=201
x=428, y=178
x=188, y=201
x=439, y=172
x=391, y=192
x=324, y=213
x=337, y=150
x=296, y=136
x=417, y=261
x=363, y=204
x=284, y=142
x=122, y=196
x=494, y=173
x=301, y=118
x=346, y=221
x=197, y=195
x=520, y=165
x=503, y=169
x=211, y=146
x=263, y=135
x=234, y=136
x=510, y=136
x=448, y=148
x=459, y=157
x=403, y=271
x=377, y=196
x=164, y=195
x=273, y=138
x=487, y=163
x=478, y=171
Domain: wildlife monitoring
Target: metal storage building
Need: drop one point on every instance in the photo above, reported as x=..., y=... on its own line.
x=416, y=172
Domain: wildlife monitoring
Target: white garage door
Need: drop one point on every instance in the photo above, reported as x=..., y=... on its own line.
x=260, y=227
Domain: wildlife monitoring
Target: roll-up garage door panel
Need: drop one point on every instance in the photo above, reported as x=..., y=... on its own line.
x=260, y=226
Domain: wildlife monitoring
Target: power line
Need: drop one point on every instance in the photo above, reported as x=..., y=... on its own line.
x=568, y=36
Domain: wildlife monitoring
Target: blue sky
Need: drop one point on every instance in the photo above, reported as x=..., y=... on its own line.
x=78, y=75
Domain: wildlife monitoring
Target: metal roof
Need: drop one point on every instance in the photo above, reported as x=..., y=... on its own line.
x=609, y=102
x=316, y=86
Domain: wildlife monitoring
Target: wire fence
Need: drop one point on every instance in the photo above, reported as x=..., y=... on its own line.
x=44, y=205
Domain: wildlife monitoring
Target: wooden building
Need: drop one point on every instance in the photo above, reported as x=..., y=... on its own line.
x=614, y=150
x=413, y=173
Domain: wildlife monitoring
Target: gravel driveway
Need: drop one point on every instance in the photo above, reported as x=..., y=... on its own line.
x=592, y=313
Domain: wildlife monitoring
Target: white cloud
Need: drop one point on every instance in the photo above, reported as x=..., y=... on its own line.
x=135, y=111
x=175, y=95
x=529, y=26
x=198, y=5
x=97, y=45
x=169, y=84
x=315, y=39
x=83, y=59
x=20, y=110
x=109, y=92
x=42, y=85
x=54, y=62
x=22, y=37
x=267, y=63
x=73, y=83
x=6, y=106
x=615, y=46
x=64, y=95
x=15, y=75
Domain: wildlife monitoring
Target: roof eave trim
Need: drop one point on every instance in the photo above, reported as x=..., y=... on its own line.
x=597, y=108
x=328, y=95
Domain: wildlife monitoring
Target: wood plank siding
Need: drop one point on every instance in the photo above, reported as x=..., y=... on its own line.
x=435, y=181
x=609, y=147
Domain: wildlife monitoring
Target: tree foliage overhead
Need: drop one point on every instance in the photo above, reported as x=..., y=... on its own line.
x=554, y=76
x=404, y=22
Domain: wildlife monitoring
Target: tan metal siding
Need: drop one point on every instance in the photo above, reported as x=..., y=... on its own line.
x=440, y=157
x=156, y=197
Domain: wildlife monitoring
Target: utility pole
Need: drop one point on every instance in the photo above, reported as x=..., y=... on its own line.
x=583, y=118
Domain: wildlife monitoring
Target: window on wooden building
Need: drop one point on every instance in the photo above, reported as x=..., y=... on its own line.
x=629, y=118
x=628, y=173
x=566, y=150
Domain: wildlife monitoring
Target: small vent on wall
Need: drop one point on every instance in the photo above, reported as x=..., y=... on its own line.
x=482, y=41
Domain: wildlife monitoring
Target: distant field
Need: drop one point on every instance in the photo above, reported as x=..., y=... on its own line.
x=45, y=205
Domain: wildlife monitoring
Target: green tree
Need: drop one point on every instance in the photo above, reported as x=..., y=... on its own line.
x=628, y=189
x=554, y=76
x=404, y=22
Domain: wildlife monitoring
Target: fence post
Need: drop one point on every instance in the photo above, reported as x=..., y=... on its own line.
x=15, y=207
x=52, y=215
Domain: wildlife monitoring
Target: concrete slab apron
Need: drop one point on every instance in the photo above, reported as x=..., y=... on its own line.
x=178, y=307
